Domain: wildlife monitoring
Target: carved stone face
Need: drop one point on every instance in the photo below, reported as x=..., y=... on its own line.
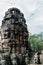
x=14, y=33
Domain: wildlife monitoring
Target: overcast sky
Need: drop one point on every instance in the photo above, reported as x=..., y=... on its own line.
x=32, y=9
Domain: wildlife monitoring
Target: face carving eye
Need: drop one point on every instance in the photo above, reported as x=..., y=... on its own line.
x=6, y=34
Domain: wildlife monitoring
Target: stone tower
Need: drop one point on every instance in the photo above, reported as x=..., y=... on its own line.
x=14, y=37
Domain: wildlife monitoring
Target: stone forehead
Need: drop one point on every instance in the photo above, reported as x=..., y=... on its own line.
x=13, y=14
x=12, y=11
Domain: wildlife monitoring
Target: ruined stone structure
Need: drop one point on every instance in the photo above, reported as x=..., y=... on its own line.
x=14, y=39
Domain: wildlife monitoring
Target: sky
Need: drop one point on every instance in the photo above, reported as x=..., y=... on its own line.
x=32, y=10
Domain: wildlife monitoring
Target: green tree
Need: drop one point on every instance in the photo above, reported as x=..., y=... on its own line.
x=36, y=43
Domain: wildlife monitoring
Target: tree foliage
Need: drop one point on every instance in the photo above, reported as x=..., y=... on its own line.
x=36, y=42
